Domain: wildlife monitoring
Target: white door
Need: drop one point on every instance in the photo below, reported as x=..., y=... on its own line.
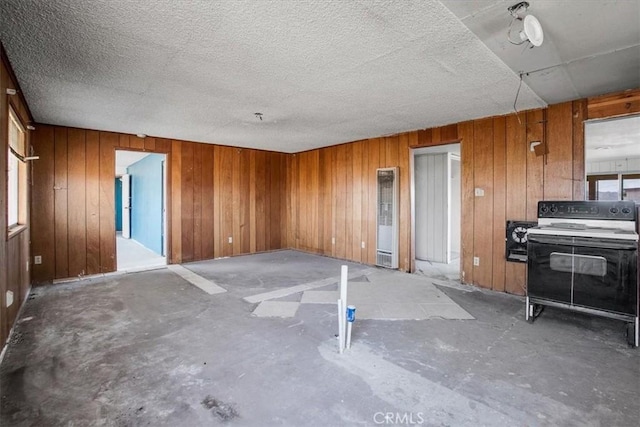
x=126, y=206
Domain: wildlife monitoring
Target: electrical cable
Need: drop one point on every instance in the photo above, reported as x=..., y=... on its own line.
x=515, y=101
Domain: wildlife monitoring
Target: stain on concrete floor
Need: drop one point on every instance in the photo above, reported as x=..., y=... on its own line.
x=96, y=352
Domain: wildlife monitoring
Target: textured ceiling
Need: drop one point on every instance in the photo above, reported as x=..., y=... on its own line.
x=590, y=47
x=321, y=72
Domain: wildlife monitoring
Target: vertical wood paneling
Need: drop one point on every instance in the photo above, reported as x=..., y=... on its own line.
x=208, y=216
x=197, y=201
x=516, y=202
x=61, y=196
x=244, y=208
x=217, y=209
x=260, y=189
x=483, y=206
x=275, y=197
x=92, y=188
x=187, y=204
x=535, y=164
x=374, y=164
x=364, y=204
x=404, y=254
x=176, y=202
x=108, y=142
x=77, y=208
x=226, y=200
x=43, y=225
x=499, y=202
x=341, y=203
x=558, y=170
x=579, y=116
x=348, y=201
x=466, y=135
x=356, y=206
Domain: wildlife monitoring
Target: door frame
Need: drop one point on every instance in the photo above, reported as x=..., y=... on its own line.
x=167, y=202
x=416, y=151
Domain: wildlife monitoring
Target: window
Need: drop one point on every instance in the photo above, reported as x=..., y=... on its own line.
x=612, y=159
x=17, y=174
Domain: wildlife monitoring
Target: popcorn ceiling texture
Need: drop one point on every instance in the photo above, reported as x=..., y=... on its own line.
x=321, y=72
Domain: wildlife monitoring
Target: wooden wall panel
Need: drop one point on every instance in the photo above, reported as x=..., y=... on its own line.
x=535, y=121
x=483, y=205
x=579, y=115
x=197, y=201
x=206, y=194
x=260, y=194
x=108, y=142
x=467, y=141
x=77, y=210
x=615, y=104
x=61, y=218
x=374, y=163
x=213, y=200
x=558, y=168
x=42, y=202
x=176, y=203
x=499, y=203
x=92, y=188
x=516, y=196
x=356, y=205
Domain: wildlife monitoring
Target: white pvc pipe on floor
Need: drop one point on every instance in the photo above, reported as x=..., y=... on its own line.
x=340, y=326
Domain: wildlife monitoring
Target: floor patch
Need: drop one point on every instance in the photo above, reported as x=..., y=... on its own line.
x=276, y=309
x=301, y=288
x=320, y=297
x=196, y=280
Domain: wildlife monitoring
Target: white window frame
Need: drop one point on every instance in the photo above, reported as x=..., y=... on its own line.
x=16, y=173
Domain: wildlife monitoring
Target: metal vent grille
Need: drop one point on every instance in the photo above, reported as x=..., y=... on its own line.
x=384, y=259
x=385, y=197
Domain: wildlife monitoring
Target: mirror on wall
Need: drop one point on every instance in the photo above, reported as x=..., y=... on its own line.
x=612, y=159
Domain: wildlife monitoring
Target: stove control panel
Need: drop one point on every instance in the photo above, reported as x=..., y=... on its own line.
x=588, y=209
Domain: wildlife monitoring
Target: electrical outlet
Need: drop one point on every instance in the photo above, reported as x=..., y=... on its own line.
x=230, y=239
x=479, y=192
x=37, y=259
x=476, y=261
x=9, y=298
x=333, y=240
x=27, y=265
x=362, y=245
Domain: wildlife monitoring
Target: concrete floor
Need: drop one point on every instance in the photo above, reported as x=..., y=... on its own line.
x=151, y=349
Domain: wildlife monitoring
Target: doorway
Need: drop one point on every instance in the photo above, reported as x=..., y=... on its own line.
x=436, y=200
x=140, y=210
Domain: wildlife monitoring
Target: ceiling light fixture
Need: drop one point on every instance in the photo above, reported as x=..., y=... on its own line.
x=141, y=135
x=531, y=28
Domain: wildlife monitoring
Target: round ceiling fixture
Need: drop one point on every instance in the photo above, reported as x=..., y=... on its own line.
x=532, y=31
x=531, y=28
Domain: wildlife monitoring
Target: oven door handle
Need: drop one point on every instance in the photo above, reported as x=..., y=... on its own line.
x=583, y=242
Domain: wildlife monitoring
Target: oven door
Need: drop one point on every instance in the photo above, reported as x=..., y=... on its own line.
x=586, y=272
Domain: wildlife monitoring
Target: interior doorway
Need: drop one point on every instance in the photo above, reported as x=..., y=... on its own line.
x=140, y=210
x=435, y=204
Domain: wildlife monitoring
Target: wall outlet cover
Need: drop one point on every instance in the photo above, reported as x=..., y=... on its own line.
x=37, y=259
x=476, y=261
x=9, y=298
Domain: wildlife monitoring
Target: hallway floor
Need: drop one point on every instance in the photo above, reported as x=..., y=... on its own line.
x=134, y=256
x=150, y=348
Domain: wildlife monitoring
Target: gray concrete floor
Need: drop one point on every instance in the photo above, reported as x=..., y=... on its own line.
x=151, y=349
